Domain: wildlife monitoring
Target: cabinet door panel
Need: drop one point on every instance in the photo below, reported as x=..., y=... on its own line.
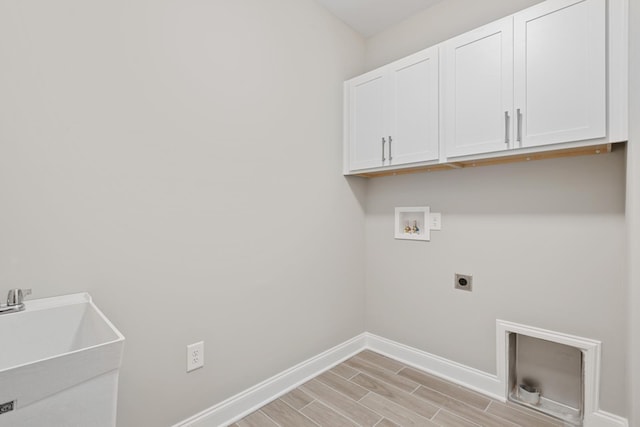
x=478, y=90
x=560, y=71
x=413, y=109
x=367, y=121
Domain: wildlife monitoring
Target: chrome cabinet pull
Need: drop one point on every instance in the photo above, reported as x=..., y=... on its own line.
x=390, y=141
x=383, y=142
x=519, y=139
x=506, y=127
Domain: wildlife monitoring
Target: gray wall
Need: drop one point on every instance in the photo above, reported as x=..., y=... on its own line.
x=545, y=241
x=181, y=161
x=633, y=214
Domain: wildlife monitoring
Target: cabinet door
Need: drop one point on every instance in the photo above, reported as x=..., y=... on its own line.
x=560, y=73
x=366, y=121
x=478, y=90
x=413, y=122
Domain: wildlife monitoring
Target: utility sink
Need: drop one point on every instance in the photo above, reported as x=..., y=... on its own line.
x=59, y=362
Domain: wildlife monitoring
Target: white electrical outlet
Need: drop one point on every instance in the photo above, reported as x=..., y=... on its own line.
x=435, y=221
x=195, y=356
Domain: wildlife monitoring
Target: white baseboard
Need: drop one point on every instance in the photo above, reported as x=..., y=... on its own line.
x=604, y=419
x=244, y=403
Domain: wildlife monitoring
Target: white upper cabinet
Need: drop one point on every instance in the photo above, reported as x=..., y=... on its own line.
x=551, y=77
x=413, y=109
x=560, y=72
x=535, y=78
x=366, y=120
x=393, y=113
x=478, y=90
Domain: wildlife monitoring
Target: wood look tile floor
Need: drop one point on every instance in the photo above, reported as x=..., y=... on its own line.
x=372, y=390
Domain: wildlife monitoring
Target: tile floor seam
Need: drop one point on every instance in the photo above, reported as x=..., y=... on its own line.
x=383, y=381
x=437, y=412
x=403, y=407
x=266, y=415
x=281, y=400
x=357, y=372
x=382, y=417
x=309, y=419
x=394, y=372
x=379, y=421
x=449, y=397
x=483, y=411
x=342, y=363
x=374, y=366
x=539, y=416
x=369, y=392
x=402, y=391
x=340, y=411
x=337, y=412
x=300, y=410
x=459, y=416
x=355, y=422
x=380, y=366
x=535, y=414
x=297, y=411
x=336, y=390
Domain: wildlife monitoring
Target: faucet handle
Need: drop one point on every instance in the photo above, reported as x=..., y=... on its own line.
x=16, y=296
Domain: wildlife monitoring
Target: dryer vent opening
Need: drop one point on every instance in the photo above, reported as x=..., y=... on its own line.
x=547, y=376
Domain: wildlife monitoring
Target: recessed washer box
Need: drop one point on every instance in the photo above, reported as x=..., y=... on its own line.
x=412, y=223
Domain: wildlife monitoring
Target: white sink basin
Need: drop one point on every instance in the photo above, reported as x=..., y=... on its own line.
x=53, y=346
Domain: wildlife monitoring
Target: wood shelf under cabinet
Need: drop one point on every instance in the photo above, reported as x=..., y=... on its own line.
x=567, y=152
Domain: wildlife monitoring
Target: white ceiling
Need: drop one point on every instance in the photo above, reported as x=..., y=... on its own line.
x=369, y=17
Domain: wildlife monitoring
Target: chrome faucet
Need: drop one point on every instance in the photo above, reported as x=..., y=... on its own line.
x=14, y=301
